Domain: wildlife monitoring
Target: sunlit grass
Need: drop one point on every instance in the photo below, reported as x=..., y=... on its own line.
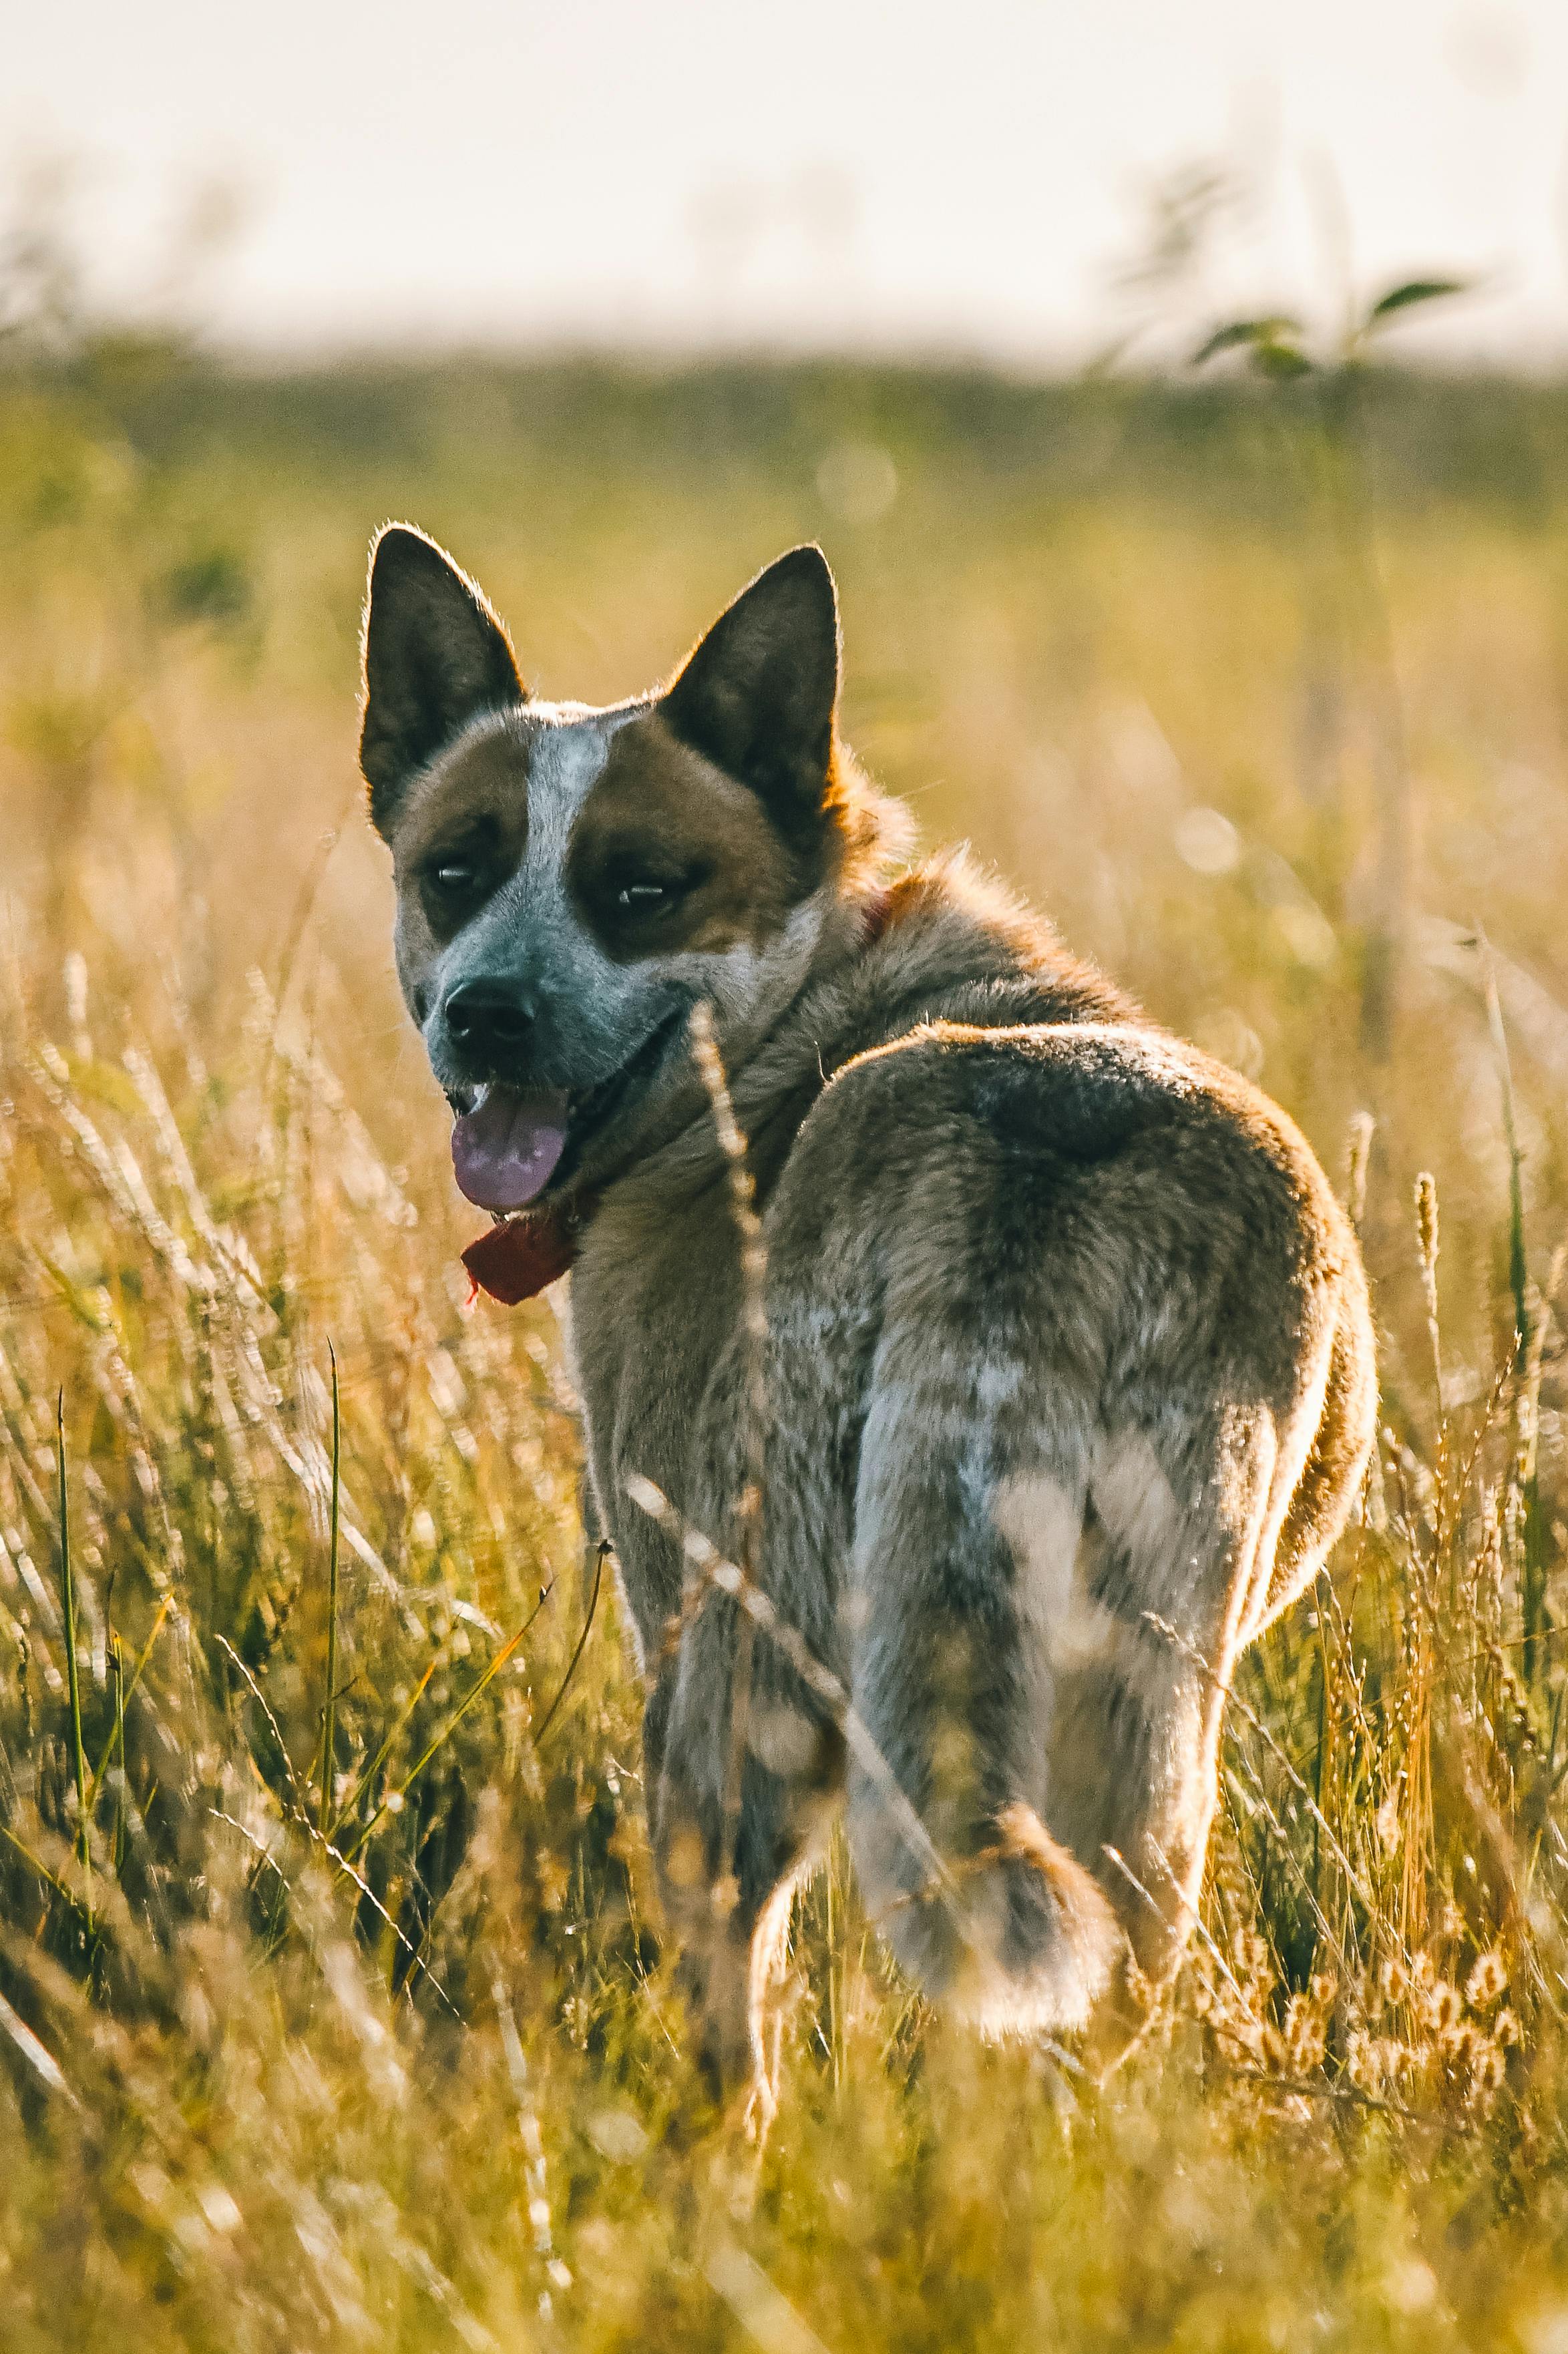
x=337, y=2015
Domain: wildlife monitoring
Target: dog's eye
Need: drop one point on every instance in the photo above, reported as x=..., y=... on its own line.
x=453, y=884
x=633, y=888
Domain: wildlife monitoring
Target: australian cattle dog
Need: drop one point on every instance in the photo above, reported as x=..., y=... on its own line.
x=946, y=1482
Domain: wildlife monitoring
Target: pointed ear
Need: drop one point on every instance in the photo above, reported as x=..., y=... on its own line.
x=758, y=695
x=435, y=657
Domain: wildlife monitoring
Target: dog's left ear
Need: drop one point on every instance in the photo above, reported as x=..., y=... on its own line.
x=758, y=695
x=435, y=657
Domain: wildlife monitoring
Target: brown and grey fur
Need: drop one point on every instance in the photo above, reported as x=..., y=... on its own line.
x=1068, y=1364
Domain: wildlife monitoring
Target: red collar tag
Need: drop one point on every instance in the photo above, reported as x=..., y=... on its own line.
x=515, y=1261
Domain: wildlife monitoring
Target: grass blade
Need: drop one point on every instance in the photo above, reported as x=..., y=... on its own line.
x=439, y=1740
x=547, y=1719
x=125, y=1692
x=37, y=2054
x=73, y=1679
x=1534, y=1568
x=329, y=1712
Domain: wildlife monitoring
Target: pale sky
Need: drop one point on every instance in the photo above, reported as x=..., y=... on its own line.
x=822, y=171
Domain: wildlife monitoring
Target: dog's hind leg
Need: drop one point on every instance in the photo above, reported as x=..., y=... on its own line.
x=1164, y=1563
x=1041, y=1647
x=737, y=1813
x=959, y=1866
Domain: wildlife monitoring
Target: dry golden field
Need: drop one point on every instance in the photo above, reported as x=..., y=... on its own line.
x=377, y=2049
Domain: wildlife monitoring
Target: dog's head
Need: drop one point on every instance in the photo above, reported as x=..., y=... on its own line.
x=570, y=881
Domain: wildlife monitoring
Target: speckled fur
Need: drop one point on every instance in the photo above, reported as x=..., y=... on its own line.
x=1069, y=1389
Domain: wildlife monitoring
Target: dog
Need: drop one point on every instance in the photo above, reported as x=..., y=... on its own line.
x=970, y=1368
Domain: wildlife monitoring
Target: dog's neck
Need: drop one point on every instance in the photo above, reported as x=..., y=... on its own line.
x=940, y=943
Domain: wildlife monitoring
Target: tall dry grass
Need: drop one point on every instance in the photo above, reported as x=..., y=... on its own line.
x=333, y=2011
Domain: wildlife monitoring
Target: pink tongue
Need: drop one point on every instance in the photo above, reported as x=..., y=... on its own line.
x=504, y=1149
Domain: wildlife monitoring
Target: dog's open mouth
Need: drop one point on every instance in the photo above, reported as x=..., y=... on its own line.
x=506, y=1148
x=509, y=1142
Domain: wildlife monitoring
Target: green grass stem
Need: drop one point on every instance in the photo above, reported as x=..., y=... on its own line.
x=73, y=1673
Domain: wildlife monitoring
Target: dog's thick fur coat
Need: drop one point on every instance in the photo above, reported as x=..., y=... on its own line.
x=1068, y=1366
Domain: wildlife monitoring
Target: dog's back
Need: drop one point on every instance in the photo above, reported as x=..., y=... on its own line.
x=1068, y=1388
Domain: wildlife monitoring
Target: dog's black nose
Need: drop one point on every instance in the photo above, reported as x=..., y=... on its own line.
x=490, y=1017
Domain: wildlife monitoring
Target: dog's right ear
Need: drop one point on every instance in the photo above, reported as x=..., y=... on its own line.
x=435, y=657
x=757, y=693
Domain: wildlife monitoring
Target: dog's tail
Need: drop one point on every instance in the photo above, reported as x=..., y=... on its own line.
x=1018, y=1938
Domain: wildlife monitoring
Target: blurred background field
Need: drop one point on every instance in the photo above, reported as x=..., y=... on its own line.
x=1269, y=708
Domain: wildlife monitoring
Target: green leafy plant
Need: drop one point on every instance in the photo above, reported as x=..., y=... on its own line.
x=1326, y=380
